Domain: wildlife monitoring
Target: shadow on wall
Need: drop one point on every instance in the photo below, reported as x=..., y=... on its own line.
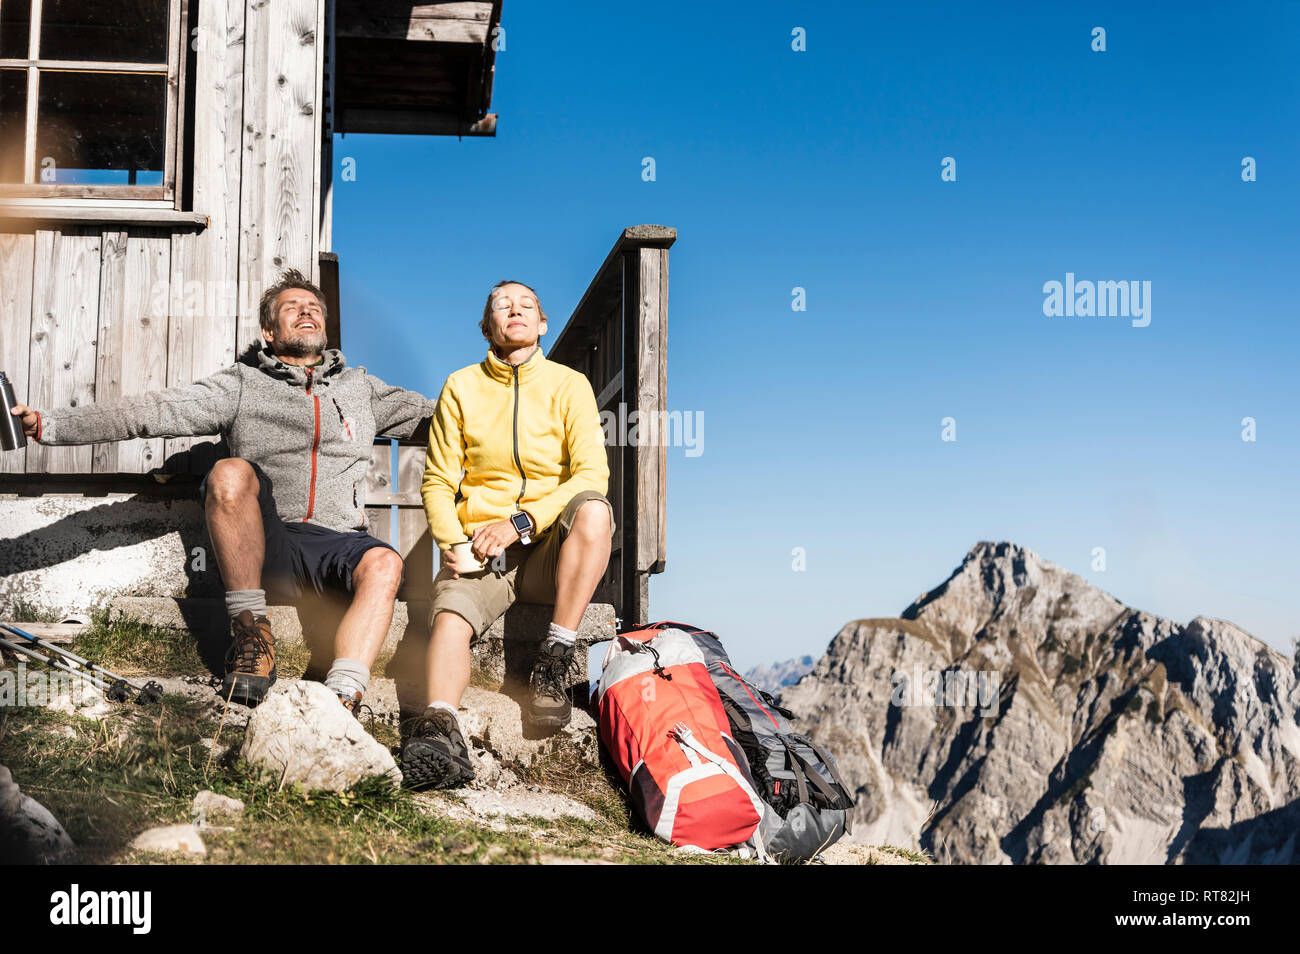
x=62, y=552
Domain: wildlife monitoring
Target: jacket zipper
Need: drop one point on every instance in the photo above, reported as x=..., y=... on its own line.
x=523, y=480
x=343, y=420
x=315, y=445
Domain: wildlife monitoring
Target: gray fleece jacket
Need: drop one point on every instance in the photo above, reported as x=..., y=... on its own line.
x=311, y=430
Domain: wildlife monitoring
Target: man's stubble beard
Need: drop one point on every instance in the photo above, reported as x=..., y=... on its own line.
x=301, y=346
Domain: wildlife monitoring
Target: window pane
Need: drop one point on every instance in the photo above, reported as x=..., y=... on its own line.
x=124, y=31
x=13, y=123
x=101, y=128
x=15, y=28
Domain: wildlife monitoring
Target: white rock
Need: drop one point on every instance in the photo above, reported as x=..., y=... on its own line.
x=210, y=805
x=300, y=734
x=525, y=802
x=183, y=839
x=29, y=834
x=493, y=724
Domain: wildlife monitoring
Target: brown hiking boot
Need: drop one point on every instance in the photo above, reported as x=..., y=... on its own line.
x=250, y=661
x=351, y=703
x=548, y=708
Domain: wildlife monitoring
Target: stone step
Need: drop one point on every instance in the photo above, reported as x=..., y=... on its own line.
x=501, y=656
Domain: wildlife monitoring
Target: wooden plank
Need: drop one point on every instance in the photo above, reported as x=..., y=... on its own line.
x=379, y=521
x=329, y=59
x=466, y=22
x=629, y=609
x=414, y=122
x=661, y=553
x=33, y=93
x=107, y=215
x=64, y=191
x=176, y=56
x=329, y=286
x=132, y=356
x=415, y=543
x=109, y=352
x=321, y=178
x=410, y=471
x=254, y=170
x=17, y=259
x=98, y=66
x=647, y=399
x=205, y=295
x=65, y=304
x=56, y=633
x=381, y=490
x=379, y=479
x=280, y=162
x=611, y=392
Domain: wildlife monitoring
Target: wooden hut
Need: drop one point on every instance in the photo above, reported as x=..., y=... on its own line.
x=160, y=162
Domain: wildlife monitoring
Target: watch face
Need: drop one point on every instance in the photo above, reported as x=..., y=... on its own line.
x=521, y=522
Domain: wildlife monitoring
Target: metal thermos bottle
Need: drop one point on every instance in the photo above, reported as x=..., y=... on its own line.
x=11, y=428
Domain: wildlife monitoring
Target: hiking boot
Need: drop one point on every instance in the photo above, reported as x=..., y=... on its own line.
x=352, y=703
x=250, y=661
x=436, y=756
x=548, y=703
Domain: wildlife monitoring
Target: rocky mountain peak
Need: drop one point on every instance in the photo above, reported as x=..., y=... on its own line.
x=1080, y=729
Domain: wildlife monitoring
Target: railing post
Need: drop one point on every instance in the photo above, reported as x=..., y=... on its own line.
x=618, y=337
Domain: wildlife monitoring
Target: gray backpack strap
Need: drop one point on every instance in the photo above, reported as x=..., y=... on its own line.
x=832, y=797
x=830, y=765
x=796, y=768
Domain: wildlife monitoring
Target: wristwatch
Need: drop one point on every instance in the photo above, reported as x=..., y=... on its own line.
x=523, y=525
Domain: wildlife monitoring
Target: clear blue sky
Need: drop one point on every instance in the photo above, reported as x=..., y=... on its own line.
x=821, y=169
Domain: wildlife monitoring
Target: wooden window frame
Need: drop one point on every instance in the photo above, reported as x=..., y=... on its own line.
x=37, y=197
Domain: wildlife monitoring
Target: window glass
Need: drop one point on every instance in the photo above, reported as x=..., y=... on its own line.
x=101, y=128
x=13, y=123
x=125, y=31
x=15, y=28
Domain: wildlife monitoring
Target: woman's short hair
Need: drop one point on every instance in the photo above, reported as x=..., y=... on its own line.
x=484, y=324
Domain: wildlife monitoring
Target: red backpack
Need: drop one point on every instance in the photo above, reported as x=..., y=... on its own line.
x=664, y=726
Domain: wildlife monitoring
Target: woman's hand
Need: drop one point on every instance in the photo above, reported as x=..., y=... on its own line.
x=492, y=539
x=449, y=562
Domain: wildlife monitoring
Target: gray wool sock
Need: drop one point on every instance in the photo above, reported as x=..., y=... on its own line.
x=347, y=677
x=239, y=600
x=558, y=634
x=445, y=707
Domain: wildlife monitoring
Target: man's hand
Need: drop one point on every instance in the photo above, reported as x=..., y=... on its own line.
x=28, y=418
x=491, y=540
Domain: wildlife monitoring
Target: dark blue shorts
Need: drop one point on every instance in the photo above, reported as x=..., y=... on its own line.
x=303, y=557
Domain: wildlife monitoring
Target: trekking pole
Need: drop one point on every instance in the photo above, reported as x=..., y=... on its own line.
x=56, y=664
x=120, y=688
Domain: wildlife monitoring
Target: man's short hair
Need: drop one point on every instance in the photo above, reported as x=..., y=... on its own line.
x=289, y=278
x=484, y=325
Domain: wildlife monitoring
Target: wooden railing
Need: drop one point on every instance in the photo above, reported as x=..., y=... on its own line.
x=617, y=336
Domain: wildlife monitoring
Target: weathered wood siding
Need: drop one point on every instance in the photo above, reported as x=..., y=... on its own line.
x=93, y=313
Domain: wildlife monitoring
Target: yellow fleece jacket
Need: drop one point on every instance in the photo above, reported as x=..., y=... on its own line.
x=505, y=438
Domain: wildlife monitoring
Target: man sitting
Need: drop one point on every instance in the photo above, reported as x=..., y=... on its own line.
x=286, y=511
x=516, y=469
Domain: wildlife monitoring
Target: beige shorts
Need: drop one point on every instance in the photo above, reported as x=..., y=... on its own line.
x=529, y=574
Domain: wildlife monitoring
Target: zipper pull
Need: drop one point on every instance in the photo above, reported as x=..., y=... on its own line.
x=343, y=420
x=309, y=380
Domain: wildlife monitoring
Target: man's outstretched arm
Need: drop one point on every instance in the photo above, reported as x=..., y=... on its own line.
x=205, y=407
x=399, y=413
